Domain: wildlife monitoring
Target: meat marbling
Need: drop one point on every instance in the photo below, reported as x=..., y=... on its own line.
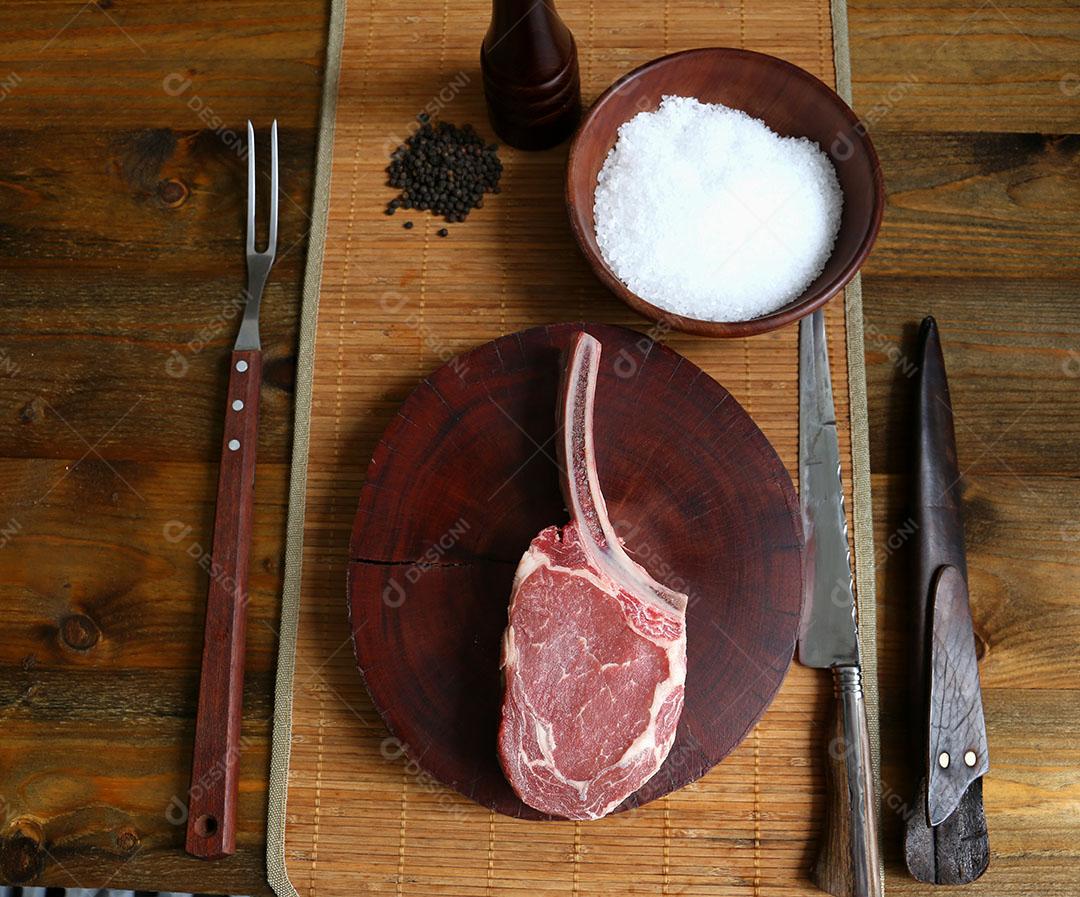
x=594, y=655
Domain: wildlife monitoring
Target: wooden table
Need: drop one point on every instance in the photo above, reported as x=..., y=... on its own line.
x=121, y=232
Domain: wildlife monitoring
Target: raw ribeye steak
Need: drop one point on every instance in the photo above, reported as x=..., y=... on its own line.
x=594, y=655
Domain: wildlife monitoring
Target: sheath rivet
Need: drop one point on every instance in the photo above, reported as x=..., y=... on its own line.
x=238, y=405
x=234, y=444
x=943, y=760
x=241, y=365
x=970, y=758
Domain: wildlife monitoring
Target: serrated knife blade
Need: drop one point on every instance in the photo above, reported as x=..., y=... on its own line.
x=829, y=635
x=847, y=864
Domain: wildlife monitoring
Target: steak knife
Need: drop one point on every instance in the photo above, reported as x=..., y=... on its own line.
x=945, y=841
x=847, y=864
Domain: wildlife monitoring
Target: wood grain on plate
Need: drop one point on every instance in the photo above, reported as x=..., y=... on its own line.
x=466, y=475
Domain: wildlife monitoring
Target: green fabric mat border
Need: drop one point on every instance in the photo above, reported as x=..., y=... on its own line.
x=862, y=513
x=281, y=740
x=277, y=874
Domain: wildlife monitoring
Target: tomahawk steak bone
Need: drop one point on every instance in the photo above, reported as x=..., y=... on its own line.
x=594, y=655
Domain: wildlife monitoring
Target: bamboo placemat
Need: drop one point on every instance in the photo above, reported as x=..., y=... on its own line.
x=348, y=812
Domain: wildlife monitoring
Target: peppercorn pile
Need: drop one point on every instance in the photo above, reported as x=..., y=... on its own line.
x=443, y=169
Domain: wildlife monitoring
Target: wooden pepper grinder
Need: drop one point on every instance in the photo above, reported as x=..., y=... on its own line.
x=529, y=63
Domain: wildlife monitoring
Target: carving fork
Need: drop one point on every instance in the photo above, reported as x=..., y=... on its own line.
x=211, y=824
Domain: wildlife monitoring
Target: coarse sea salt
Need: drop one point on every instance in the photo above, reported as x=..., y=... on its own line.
x=704, y=211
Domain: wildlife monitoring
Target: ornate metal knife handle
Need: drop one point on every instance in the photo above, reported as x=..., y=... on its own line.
x=848, y=864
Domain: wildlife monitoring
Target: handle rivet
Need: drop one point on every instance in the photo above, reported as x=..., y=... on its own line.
x=970, y=757
x=234, y=444
x=238, y=405
x=943, y=760
x=241, y=365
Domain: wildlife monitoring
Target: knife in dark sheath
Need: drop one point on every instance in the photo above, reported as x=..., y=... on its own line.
x=945, y=841
x=847, y=865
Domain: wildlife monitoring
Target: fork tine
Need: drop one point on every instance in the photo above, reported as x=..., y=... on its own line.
x=271, y=243
x=251, y=188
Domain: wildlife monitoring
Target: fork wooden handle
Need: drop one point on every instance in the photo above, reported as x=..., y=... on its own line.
x=211, y=824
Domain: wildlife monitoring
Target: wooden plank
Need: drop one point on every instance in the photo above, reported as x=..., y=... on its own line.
x=962, y=65
x=1010, y=350
x=100, y=669
x=122, y=235
x=1013, y=355
x=140, y=363
x=1004, y=205
x=971, y=236
x=115, y=807
x=182, y=191
x=1030, y=799
x=130, y=64
x=1020, y=578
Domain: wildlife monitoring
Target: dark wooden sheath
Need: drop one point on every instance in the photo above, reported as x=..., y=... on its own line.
x=945, y=841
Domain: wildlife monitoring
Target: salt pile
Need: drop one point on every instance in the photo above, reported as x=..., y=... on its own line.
x=706, y=212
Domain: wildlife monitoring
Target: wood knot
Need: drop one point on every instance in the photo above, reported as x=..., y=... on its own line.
x=127, y=840
x=104, y=4
x=32, y=411
x=79, y=632
x=172, y=192
x=21, y=855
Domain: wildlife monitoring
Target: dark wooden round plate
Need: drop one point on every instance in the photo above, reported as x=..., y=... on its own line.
x=466, y=475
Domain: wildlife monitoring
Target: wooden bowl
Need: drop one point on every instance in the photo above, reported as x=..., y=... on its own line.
x=789, y=100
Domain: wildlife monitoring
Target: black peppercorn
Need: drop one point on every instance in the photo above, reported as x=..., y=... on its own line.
x=443, y=168
x=443, y=232
x=407, y=225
